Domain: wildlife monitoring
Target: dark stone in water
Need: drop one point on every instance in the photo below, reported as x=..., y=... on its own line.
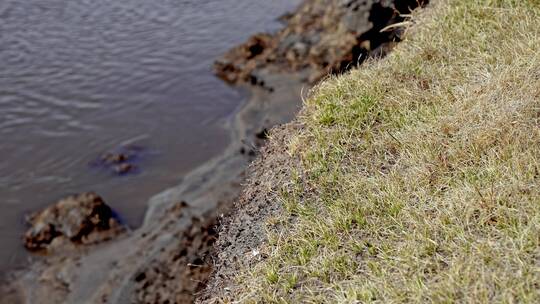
x=120, y=161
x=124, y=168
x=112, y=158
x=79, y=219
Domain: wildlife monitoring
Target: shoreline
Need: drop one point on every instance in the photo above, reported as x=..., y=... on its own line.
x=111, y=271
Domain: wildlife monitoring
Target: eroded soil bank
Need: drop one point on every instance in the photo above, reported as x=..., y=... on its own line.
x=411, y=179
x=321, y=38
x=169, y=259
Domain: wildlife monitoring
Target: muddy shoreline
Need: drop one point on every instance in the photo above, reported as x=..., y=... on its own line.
x=82, y=80
x=165, y=257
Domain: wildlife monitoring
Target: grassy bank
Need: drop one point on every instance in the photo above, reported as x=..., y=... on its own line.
x=418, y=177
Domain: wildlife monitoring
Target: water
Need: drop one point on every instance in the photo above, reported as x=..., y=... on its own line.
x=80, y=78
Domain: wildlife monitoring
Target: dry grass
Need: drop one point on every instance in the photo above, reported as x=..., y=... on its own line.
x=420, y=175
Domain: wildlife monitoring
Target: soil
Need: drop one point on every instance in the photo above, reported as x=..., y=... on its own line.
x=82, y=219
x=243, y=230
x=120, y=161
x=322, y=37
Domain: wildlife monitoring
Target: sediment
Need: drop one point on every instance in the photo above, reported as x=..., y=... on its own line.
x=82, y=219
x=321, y=37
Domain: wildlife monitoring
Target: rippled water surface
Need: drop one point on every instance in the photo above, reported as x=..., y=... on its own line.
x=82, y=77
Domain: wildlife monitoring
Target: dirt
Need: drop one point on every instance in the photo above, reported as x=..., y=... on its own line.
x=120, y=161
x=243, y=230
x=179, y=272
x=166, y=265
x=81, y=219
x=322, y=37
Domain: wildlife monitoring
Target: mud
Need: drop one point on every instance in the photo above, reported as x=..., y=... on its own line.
x=243, y=231
x=322, y=37
x=82, y=219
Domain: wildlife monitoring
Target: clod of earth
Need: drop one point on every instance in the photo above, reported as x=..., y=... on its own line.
x=78, y=219
x=321, y=37
x=178, y=273
x=121, y=161
x=124, y=168
x=114, y=158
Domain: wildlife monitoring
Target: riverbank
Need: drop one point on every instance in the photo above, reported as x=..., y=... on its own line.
x=165, y=258
x=83, y=80
x=412, y=179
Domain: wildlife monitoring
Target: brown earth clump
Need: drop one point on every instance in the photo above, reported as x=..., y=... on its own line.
x=79, y=219
x=322, y=37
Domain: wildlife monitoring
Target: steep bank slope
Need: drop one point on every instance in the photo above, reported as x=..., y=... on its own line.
x=413, y=179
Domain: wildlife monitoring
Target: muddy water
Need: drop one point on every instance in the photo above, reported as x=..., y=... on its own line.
x=80, y=78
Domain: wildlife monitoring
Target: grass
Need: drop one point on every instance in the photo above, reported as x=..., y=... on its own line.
x=419, y=175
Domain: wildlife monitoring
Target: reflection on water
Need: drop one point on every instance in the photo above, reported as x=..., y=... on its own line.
x=80, y=78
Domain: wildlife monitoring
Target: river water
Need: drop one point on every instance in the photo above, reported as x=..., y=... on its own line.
x=79, y=78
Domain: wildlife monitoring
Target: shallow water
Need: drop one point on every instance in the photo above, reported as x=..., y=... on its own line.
x=80, y=78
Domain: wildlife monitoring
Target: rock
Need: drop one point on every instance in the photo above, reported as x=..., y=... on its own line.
x=320, y=37
x=120, y=161
x=114, y=158
x=124, y=168
x=237, y=65
x=79, y=219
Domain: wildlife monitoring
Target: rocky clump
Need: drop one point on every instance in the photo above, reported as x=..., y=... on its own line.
x=78, y=219
x=121, y=161
x=321, y=37
x=117, y=163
